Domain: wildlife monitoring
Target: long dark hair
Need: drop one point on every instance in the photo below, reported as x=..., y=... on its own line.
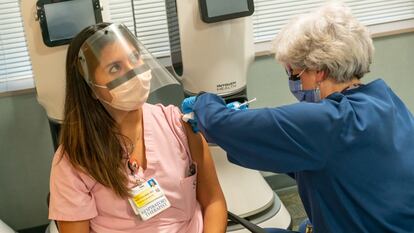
x=89, y=136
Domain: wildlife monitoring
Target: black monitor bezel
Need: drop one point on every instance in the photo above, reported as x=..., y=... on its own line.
x=215, y=19
x=41, y=14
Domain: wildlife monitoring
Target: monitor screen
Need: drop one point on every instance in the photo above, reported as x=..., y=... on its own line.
x=66, y=19
x=61, y=20
x=225, y=7
x=219, y=10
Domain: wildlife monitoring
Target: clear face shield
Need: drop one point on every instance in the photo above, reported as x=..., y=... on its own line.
x=120, y=71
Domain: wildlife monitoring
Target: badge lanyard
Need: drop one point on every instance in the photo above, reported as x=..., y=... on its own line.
x=148, y=198
x=136, y=171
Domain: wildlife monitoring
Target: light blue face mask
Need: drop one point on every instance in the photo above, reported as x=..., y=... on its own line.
x=313, y=95
x=295, y=86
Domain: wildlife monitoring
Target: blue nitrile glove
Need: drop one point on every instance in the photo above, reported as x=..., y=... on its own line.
x=188, y=104
x=187, y=109
x=194, y=125
x=236, y=105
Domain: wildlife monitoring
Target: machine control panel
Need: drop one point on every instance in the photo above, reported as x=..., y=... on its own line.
x=218, y=10
x=61, y=20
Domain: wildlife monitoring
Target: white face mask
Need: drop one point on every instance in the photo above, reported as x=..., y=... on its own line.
x=132, y=94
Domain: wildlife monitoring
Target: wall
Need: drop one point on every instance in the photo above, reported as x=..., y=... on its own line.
x=26, y=146
x=393, y=61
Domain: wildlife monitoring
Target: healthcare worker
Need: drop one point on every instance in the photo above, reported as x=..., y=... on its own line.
x=349, y=145
x=124, y=165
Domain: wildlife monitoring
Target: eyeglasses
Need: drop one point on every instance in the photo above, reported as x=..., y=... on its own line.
x=293, y=77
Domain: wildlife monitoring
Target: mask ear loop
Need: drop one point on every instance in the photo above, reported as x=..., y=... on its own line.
x=318, y=92
x=300, y=74
x=300, y=78
x=318, y=89
x=97, y=85
x=82, y=67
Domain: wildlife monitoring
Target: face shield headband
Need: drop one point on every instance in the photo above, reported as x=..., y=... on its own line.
x=113, y=43
x=116, y=45
x=90, y=56
x=112, y=59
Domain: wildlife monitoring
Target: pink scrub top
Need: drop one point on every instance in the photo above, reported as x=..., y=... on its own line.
x=75, y=196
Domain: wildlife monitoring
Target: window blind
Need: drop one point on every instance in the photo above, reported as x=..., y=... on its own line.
x=269, y=17
x=150, y=21
x=15, y=66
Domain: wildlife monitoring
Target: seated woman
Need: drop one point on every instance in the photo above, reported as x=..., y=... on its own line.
x=124, y=165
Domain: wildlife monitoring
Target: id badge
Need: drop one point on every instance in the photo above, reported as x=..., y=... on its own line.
x=148, y=199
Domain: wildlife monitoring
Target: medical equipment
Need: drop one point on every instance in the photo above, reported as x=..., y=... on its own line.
x=215, y=57
x=217, y=10
x=247, y=102
x=187, y=117
x=209, y=57
x=127, y=72
x=61, y=20
x=238, y=105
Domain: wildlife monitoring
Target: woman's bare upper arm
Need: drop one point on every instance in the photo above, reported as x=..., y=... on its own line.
x=75, y=226
x=208, y=186
x=197, y=145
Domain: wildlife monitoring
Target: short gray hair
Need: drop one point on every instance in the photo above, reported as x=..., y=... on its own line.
x=328, y=39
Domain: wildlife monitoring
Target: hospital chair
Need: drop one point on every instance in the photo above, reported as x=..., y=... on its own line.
x=253, y=227
x=52, y=228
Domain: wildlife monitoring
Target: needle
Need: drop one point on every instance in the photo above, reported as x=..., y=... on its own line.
x=248, y=102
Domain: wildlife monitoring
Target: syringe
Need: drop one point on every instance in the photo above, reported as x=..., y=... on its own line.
x=247, y=102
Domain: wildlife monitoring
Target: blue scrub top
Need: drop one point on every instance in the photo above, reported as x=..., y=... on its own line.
x=352, y=154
